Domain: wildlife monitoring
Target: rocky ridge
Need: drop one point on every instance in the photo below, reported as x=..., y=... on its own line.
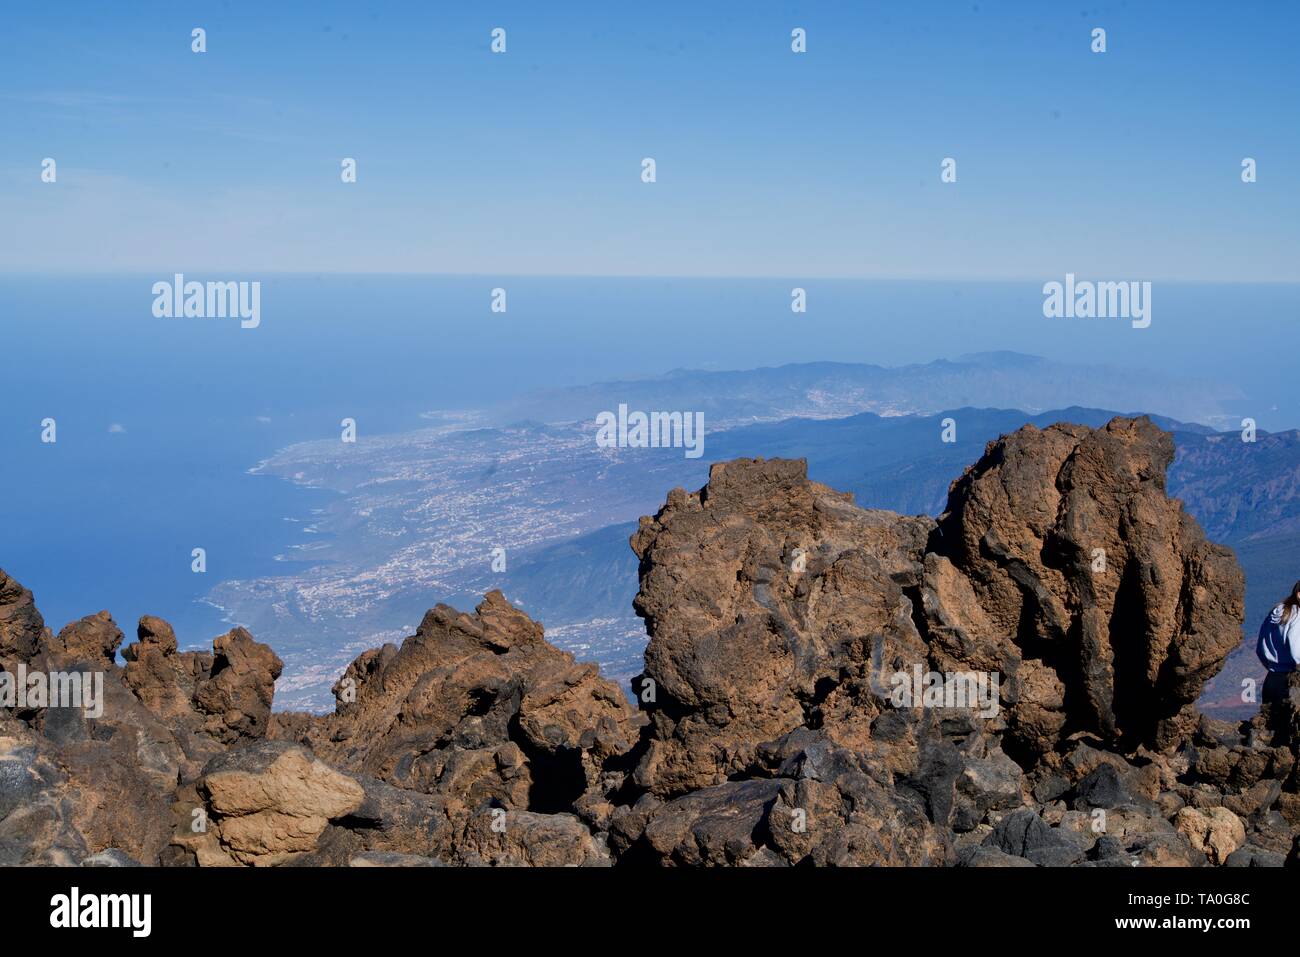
x=1011, y=685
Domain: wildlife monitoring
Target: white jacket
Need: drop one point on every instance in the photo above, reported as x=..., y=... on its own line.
x=1279, y=641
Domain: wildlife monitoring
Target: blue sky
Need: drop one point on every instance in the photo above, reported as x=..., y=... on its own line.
x=1119, y=165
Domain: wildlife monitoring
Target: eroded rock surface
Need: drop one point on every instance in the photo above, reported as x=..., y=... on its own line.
x=98, y=770
x=1084, y=583
x=479, y=707
x=783, y=621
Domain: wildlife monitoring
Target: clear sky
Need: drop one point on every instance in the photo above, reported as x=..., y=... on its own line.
x=1117, y=165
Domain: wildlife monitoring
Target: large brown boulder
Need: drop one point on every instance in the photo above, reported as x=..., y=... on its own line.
x=781, y=618
x=772, y=603
x=778, y=613
x=1061, y=561
x=264, y=805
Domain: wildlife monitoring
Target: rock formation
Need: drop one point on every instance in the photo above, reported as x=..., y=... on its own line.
x=1010, y=685
x=75, y=780
x=1076, y=569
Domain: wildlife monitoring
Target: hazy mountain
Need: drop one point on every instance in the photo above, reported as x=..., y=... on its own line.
x=837, y=389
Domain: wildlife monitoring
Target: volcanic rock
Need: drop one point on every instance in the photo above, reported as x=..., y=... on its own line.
x=826, y=685
x=21, y=625
x=773, y=603
x=1095, y=593
x=1216, y=831
x=481, y=709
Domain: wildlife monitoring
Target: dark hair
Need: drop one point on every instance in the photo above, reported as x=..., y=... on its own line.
x=1291, y=603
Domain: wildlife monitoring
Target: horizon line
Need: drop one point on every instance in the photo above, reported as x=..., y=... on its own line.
x=105, y=273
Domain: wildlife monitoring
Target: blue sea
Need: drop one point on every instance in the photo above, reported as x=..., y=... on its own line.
x=159, y=420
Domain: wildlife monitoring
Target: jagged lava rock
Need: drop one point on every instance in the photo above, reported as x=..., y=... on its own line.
x=772, y=603
x=1061, y=561
x=104, y=777
x=480, y=708
x=21, y=625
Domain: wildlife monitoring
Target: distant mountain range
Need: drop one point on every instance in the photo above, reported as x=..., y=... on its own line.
x=837, y=389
